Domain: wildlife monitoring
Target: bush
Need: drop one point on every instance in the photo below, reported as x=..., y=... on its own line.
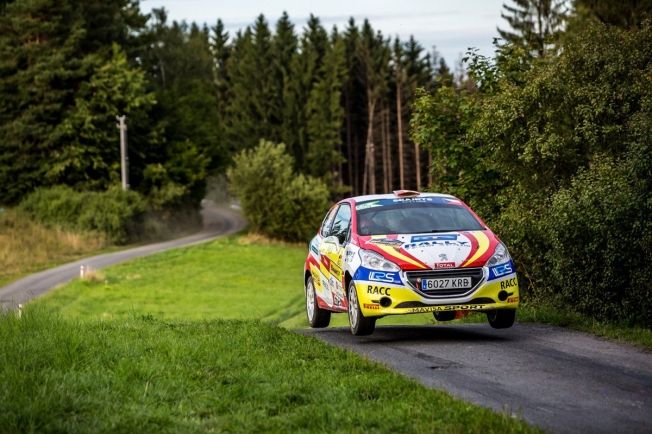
x=277, y=202
x=114, y=212
x=600, y=236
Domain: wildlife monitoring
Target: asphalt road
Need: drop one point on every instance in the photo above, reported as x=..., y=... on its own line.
x=560, y=380
x=217, y=221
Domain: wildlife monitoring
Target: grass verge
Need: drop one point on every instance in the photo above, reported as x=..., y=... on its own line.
x=250, y=278
x=27, y=246
x=542, y=313
x=141, y=374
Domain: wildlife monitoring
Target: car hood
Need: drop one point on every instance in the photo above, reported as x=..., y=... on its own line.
x=434, y=251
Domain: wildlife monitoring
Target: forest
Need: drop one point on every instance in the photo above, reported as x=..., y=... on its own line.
x=339, y=99
x=549, y=140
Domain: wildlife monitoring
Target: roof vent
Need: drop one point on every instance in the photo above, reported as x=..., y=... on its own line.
x=406, y=193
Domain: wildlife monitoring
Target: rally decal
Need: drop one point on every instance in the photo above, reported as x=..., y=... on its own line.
x=482, y=243
x=449, y=307
x=393, y=251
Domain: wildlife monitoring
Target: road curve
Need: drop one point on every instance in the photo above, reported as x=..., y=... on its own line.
x=558, y=379
x=218, y=221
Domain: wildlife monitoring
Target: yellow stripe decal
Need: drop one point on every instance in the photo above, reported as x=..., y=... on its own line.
x=483, y=245
x=395, y=253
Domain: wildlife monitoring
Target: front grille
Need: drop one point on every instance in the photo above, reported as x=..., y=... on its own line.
x=476, y=275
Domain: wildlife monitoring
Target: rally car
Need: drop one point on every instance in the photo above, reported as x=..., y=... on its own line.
x=403, y=253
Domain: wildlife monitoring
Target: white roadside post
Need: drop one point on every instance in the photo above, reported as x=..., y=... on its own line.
x=124, y=157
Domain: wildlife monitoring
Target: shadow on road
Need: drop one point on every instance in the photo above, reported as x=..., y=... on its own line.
x=429, y=334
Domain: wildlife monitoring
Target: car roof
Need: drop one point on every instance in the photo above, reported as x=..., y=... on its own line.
x=367, y=197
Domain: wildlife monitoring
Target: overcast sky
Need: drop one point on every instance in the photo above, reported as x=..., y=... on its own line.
x=452, y=26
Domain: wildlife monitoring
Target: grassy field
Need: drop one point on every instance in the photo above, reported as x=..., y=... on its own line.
x=143, y=374
x=231, y=278
x=188, y=341
x=26, y=246
x=246, y=278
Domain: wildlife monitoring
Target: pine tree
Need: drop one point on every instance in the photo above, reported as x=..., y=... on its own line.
x=251, y=106
x=355, y=108
x=536, y=24
x=288, y=105
x=374, y=57
x=40, y=67
x=325, y=114
x=624, y=13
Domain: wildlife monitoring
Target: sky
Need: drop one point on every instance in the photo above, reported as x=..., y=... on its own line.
x=451, y=26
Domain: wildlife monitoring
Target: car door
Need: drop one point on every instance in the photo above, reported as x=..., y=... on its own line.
x=332, y=251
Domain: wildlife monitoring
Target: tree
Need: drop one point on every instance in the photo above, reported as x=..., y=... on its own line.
x=252, y=104
x=536, y=24
x=325, y=115
x=83, y=159
x=625, y=13
x=374, y=58
x=41, y=65
x=272, y=195
x=288, y=103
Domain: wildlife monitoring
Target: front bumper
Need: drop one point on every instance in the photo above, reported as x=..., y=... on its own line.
x=380, y=299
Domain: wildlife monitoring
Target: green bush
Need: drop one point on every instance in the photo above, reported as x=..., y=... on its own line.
x=276, y=201
x=114, y=212
x=600, y=238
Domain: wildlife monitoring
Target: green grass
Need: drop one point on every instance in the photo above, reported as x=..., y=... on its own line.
x=141, y=374
x=189, y=340
x=548, y=314
x=234, y=279
x=228, y=278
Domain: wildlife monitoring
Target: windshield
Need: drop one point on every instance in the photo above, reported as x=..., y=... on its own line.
x=378, y=218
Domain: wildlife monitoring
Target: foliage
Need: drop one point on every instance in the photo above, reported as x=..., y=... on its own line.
x=536, y=24
x=84, y=159
x=599, y=231
x=560, y=148
x=115, y=213
x=276, y=201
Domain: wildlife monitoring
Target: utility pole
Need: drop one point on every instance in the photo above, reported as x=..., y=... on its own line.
x=124, y=157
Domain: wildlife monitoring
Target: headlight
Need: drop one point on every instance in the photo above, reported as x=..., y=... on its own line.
x=500, y=256
x=375, y=261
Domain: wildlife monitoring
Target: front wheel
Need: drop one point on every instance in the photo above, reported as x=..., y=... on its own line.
x=360, y=325
x=317, y=317
x=501, y=318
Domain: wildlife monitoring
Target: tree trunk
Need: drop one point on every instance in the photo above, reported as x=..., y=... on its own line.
x=383, y=135
x=429, y=169
x=349, y=145
x=390, y=172
x=417, y=164
x=399, y=133
x=371, y=158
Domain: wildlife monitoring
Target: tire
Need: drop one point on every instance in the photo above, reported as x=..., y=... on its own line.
x=448, y=315
x=317, y=317
x=501, y=318
x=360, y=325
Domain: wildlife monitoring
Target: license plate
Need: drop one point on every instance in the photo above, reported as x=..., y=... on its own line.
x=446, y=283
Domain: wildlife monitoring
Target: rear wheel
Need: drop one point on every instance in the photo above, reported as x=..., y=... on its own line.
x=360, y=324
x=501, y=318
x=448, y=315
x=317, y=317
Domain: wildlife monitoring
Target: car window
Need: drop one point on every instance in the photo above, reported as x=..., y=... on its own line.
x=342, y=223
x=404, y=218
x=328, y=222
